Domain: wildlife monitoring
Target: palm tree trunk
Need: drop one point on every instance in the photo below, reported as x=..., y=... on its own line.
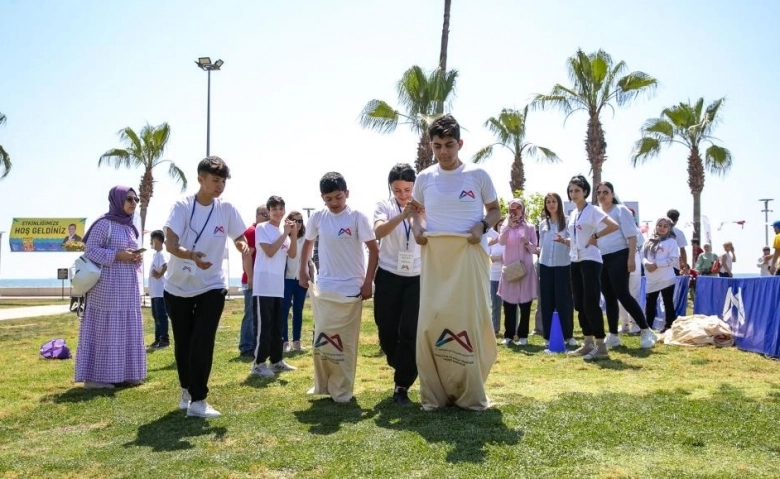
x=517, y=174
x=445, y=36
x=596, y=148
x=696, y=183
x=424, y=153
x=145, y=194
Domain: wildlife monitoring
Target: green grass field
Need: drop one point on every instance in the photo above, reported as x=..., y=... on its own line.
x=670, y=412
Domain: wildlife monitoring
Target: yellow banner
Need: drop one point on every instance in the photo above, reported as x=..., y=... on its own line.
x=47, y=234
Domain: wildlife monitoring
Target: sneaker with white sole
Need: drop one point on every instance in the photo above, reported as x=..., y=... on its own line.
x=599, y=351
x=202, y=409
x=572, y=342
x=586, y=348
x=613, y=341
x=281, y=366
x=505, y=342
x=286, y=347
x=97, y=385
x=297, y=346
x=261, y=370
x=647, y=338
x=184, y=402
x=522, y=342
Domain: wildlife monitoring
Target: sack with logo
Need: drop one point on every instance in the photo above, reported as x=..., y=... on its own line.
x=513, y=271
x=86, y=272
x=55, y=349
x=715, y=266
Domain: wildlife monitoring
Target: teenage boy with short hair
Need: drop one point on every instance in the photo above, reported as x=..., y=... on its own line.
x=273, y=244
x=342, y=282
x=156, y=289
x=247, y=339
x=195, y=283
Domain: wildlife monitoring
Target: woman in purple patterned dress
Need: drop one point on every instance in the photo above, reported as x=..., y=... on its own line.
x=111, y=337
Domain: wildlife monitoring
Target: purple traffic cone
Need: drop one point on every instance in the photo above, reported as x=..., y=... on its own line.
x=557, y=344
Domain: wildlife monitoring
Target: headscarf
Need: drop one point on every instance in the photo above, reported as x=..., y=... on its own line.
x=116, y=209
x=652, y=244
x=518, y=201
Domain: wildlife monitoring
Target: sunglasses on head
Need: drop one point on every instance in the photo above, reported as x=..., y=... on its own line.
x=132, y=199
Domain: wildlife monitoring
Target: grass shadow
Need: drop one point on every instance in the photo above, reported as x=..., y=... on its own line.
x=168, y=433
x=79, y=394
x=170, y=367
x=451, y=426
x=615, y=365
x=242, y=359
x=325, y=416
x=258, y=382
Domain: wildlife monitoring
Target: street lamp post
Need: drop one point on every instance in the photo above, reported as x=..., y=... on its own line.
x=204, y=63
x=766, y=212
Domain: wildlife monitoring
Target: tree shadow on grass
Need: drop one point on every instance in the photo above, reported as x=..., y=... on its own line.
x=169, y=432
x=615, y=365
x=170, y=367
x=326, y=416
x=258, y=382
x=79, y=394
x=468, y=432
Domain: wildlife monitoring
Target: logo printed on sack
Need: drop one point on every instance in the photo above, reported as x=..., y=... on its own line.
x=219, y=229
x=405, y=267
x=187, y=268
x=468, y=193
x=345, y=231
x=461, y=338
x=324, y=339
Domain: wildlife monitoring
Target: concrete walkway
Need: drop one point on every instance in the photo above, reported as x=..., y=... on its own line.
x=33, y=311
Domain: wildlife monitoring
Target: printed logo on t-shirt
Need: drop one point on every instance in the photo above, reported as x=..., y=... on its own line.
x=345, y=232
x=335, y=340
x=219, y=230
x=467, y=195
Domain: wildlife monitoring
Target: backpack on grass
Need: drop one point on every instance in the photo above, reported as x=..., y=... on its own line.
x=55, y=349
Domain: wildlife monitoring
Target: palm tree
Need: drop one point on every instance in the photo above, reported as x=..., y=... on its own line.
x=418, y=93
x=5, y=158
x=509, y=130
x=145, y=151
x=597, y=82
x=689, y=125
x=445, y=37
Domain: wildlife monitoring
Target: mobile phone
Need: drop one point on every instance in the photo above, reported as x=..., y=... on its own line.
x=141, y=250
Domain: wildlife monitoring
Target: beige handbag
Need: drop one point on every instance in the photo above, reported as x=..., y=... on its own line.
x=514, y=271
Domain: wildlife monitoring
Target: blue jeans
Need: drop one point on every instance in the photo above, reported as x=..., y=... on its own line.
x=295, y=296
x=496, y=303
x=248, y=339
x=160, y=319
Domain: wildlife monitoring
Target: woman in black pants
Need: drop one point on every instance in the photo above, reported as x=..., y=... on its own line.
x=618, y=253
x=583, y=227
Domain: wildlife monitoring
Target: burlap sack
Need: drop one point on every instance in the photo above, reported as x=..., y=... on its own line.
x=336, y=332
x=456, y=346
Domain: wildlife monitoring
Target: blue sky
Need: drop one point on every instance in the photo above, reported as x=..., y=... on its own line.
x=297, y=74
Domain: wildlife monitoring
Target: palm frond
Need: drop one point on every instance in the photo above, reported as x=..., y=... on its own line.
x=380, y=116
x=658, y=127
x=413, y=92
x=158, y=141
x=5, y=162
x=483, y=154
x=633, y=85
x=132, y=140
x=717, y=160
x=2, y=119
x=119, y=158
x=544, y=154
x=499, y=129
x=645, y=149
x=178, y=175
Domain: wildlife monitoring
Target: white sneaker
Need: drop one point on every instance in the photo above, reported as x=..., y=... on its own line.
x=297, y=346
x=97, y=385
x=624, y=328
x=634, y=329
x=613, y=341
x=202, y=409
x=522, y=342
x=572, y=342
x=281, y=366
x=261, y=370
x=286, y=347
x=505, y=342
x=647, y=338
x=184, y=402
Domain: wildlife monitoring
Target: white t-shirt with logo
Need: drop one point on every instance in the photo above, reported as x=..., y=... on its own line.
x=215, y=223
x=157, y=286
x=399, y=240
x=582, y=226
x=618, y=240
x=454, y=200
x=268, y=277
x=341, y=252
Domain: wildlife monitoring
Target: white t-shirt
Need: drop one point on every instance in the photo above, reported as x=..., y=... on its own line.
x=342, y=266
x=618, y=240
x=157, y=286
x=399, y=240
x=664, y=257
x=582, y=226
x=496, y=249
x=682, y=242
x=218, y=222
x=454, y=200
x=294, y=263
x=268, y=276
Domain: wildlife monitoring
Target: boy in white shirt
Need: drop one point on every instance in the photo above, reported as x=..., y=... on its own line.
x=342, y=275
x=156, y=288
x=273, y=243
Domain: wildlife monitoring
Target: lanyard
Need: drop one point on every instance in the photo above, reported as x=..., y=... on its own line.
x=407, y=227
x=194, y=200
x=576, y=220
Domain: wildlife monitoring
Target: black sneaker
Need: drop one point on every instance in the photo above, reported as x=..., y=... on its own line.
x=401, y=397
x=163, y=343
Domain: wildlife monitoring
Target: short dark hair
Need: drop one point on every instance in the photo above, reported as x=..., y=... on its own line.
x=158, y=234
x=695, y=241
x=274, y=201
x=402, y=172
x=332, y=181
x=214, y=165
x=582, y=182
x=444, y=126
x=673, y=215
x=72, y=224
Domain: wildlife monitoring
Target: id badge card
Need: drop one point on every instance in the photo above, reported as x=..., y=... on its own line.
x=573, y=253
x=405, y=262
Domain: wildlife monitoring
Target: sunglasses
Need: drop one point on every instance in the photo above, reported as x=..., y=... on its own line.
x=298, y=220
x=132, y=199
x=601, y=193
x=264, y=215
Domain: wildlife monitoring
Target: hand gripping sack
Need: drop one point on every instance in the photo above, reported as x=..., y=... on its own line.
x=55, y=349
x=86, y=273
